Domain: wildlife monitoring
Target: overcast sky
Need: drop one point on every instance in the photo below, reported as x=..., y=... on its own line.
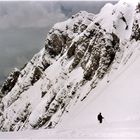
x=24, y=26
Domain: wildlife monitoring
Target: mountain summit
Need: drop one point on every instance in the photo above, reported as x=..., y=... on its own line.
x=81, y=57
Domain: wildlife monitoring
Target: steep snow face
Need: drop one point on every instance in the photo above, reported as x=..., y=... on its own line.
x=116, y=96
x=120, y=18
x=125, y=17
x=81, y=57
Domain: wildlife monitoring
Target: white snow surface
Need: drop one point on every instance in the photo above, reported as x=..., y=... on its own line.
x=117, y=96
x=118, y=100
x=106, y=131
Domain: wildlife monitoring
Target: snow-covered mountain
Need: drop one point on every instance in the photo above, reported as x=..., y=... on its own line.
x=82, y=57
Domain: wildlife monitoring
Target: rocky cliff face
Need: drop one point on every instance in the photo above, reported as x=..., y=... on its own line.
x=78, y=55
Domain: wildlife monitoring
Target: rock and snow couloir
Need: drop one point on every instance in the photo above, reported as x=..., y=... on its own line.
x=82, y=56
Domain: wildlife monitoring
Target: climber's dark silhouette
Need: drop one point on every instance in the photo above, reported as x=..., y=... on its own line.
x=100, y=118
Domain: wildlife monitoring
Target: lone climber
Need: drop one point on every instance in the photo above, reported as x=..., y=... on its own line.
x=100, y=118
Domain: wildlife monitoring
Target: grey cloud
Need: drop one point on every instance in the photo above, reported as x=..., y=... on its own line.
x=71, y=7
x=42, y=14
x=29, y=14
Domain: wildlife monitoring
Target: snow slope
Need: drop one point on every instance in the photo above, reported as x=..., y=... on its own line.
x=87, y=67
x=114, y=127
x=119, y=105
x=120, y=122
